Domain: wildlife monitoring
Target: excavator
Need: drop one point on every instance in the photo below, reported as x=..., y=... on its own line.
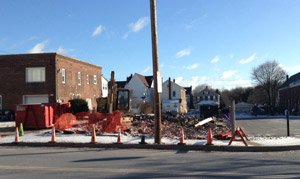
x=117, y=99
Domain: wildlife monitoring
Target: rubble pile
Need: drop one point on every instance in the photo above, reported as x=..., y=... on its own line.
x=171, y=126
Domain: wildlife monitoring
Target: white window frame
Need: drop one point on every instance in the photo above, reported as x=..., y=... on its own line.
x=95, y=79
x=0, y=102
x=87, y=79
x=79, y=78
x=29, y=74
x=63, y=76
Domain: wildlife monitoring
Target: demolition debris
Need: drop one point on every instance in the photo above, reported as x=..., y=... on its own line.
x=194, y=128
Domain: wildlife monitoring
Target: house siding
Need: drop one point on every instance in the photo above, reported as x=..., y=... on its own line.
x=180, y=94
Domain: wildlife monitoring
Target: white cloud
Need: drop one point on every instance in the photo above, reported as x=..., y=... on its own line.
x=98, y=30
x=183, y=52
x=290, y=70
x=215, y=60
x=140, y=24
x=33, y=38
x=161, y=65
x=38, y=48
x=228, y=74
x=243, y=61
x=62, y=50
x=179, y=79
x=193, y=66
x=241, y=82
x=297, y=68
x=194, y=81
x=147, y=69
x=231, y=55
x=137, y=26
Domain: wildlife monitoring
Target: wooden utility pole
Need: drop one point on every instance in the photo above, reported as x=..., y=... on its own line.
x=157, y=105
x=232, y=117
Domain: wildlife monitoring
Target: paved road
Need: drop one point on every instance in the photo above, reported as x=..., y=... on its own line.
x=115, y=163
x=269, y=127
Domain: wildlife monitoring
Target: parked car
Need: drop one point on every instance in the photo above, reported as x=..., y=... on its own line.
x=7, y=115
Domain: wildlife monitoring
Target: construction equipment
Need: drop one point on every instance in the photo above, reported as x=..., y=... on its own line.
x=117, y=99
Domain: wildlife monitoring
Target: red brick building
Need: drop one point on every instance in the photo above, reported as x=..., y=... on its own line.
x=47, y=78
x=289, y=94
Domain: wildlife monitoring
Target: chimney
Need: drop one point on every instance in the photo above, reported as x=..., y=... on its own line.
x=170, y=90
x=287, y=77
x=174, y=80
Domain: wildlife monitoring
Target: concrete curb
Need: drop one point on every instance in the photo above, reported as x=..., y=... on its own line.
x=160, y=147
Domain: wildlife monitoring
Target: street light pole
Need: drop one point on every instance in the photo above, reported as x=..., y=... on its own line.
x=157, y=100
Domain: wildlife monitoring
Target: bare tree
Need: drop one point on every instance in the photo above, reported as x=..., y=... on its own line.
x=269, y=76
x=200, y=88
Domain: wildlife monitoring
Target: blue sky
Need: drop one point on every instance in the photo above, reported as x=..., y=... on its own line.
x=199, y=42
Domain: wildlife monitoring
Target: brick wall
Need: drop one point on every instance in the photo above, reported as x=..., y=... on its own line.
x=12, y=77
x=289, y=98
x=65, y=91
x=13, y=84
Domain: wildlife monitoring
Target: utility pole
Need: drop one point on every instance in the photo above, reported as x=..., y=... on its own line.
x=157, y=100
x=232, y=117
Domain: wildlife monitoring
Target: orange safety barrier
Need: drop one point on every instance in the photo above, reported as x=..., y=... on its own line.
x=103, y=122
x=241, y=134
x=65, y=121
x=222, y=136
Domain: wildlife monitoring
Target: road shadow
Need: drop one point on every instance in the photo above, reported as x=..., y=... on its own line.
x=108, y=159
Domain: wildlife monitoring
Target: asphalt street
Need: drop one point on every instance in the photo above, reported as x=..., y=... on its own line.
x=269, y=127
x=25, y=163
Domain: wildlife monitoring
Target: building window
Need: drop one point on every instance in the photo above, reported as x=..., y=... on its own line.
x=201, y=98
x=79, y=78
x=174, y=93
x=211, y=98
x=95, y=79
x=87, y=79
x=206, y=98
x=35, y=74
x=0, y=102
x=63, y=75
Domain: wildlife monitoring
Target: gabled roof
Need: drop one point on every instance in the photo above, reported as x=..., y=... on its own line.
x=167, y=81
x=292, y=79
x=147, y=80
x=211, y=92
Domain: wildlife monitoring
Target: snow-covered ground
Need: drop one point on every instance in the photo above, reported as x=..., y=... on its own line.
x=45, y=136
x=249, y=116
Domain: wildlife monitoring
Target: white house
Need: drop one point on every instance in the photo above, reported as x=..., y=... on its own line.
x=104, y=87
x=141, y=90
x=173, y=97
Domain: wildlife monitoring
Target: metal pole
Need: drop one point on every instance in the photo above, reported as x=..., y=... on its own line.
x=288, y=122
x=157, y=105
x=232, y=117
